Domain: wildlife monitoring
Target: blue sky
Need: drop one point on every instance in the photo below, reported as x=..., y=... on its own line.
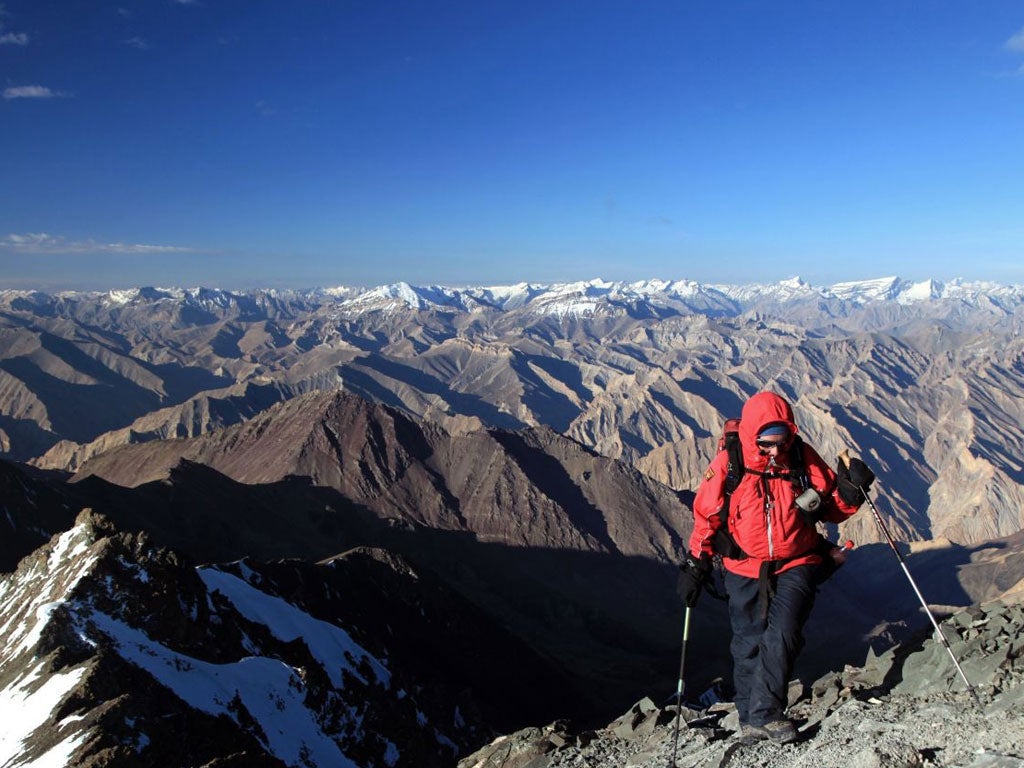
x=242, y=144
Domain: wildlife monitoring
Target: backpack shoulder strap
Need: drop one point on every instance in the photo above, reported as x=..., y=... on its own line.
x=797, y=466
x=735, y=469
x=723, y=543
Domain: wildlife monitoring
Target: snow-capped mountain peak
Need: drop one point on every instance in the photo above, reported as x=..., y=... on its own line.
x=790, y=298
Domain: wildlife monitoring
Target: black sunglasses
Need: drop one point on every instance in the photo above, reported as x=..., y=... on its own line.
x=769, y=444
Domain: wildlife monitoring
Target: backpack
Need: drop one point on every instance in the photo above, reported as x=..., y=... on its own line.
x=722, y=542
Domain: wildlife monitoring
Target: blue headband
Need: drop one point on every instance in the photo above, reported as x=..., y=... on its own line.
x=774, y=429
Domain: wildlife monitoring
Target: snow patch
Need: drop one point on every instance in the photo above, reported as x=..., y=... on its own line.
x=882, y=289
x=923, y=291
x=122, y=297
x=70, y=546
x=25, y=708
x=270, y=691
x=329, y=644
x=66, y=559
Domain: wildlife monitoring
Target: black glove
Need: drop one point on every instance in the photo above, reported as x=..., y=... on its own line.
x=693, y=572
x=832, y=558
x=853, y=477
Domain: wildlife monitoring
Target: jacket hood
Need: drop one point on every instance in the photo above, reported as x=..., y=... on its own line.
x=759, y=411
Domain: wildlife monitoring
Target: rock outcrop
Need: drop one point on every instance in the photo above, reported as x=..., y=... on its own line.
x=119, y=652
x=906, y=708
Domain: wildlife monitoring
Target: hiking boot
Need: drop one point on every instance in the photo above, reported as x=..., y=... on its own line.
x=781, y=731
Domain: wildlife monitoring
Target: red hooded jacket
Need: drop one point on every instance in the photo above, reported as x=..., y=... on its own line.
x=763, y=518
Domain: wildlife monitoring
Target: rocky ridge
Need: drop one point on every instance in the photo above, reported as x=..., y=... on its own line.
x=564, y=495
x=116, y=652
x=907, y=708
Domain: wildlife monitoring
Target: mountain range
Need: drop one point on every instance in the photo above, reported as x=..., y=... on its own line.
x=572, y=551
x=501, y=476
x=923, y=378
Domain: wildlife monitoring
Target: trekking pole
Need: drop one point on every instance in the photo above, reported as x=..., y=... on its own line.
x=845, y=458
x=679, y=685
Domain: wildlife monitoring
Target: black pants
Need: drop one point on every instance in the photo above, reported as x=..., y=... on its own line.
x=765, y=644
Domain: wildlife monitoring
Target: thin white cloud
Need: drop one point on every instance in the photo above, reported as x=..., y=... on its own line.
x=10, y=38
x=1016, y=43
x=31, y=92
x=137, y=43
x=45, y=244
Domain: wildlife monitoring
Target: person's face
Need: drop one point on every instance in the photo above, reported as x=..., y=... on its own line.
x=771, y=445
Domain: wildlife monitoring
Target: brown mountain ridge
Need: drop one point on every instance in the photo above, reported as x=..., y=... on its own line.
x=573, y=552
x=528, y=488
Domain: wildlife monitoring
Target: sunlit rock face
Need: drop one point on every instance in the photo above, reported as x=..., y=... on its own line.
x=921, y=378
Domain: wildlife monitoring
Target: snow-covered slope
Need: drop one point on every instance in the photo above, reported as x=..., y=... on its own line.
x=597, y=296
x=114, y=649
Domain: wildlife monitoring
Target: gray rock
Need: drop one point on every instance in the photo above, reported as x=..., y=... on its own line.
x=995, y=761
x=887, y=755
x=515, y=751
x=847, y=718
x=640, y=721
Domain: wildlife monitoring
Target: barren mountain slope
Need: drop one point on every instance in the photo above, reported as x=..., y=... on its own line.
x=534, y=527
x=573, y=551
x=417, y=472
x=565, y=548
x=924, y=380
x=33, y=510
